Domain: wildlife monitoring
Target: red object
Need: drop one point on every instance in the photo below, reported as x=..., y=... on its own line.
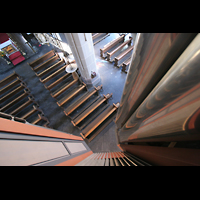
x=16, y=58
x=3, y=37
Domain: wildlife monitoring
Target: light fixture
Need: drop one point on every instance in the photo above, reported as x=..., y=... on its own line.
x=72, y=67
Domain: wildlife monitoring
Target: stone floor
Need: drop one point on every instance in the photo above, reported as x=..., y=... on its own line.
x=112, y=79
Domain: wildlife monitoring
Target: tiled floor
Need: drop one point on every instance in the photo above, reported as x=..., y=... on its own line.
x=112, y=79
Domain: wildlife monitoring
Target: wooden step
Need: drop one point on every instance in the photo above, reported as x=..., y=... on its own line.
x=42, y=59
x=102, y=117
x=91, y=109
x=121, y=55
x=49, y=87
x=46, y=63
x=81, y=100
x=46, y=71
x=63, y=88
x=118, y=48
x=111, y=44
x=71, y=94
x=8, y=79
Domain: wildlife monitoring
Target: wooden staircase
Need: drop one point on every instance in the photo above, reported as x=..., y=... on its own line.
x=112, y=159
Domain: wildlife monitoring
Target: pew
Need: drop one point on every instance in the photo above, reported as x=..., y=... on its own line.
x=46, y=63
x=9, y=78
x=125, y=64
x=13, y=98
x=42, y=59
x=23, y=106
x=111, y=44
x=118, y=48
x=28, y=114
x=52, y=85
x=12, y=85
x=97, y=122
x=97, y=35
x=89, y=110
x=121, y=55
x=40, y=118
x=64, y=87
x=72, y=94
x=13, y=92
x=51, y=68
x=91, y=118
x=81, y=100
x=13, y=102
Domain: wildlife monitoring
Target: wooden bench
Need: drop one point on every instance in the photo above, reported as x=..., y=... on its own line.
x=46, y=63
x=13, y=92
x=81, y=100
x=118, y=48
x=28, y=114
x=101, y=118
x=97, y=35
x=110, y=45
x=41, y=59
x=39, y=118
x=46, y=71
x=89, y=110
x=125, y=64
x=64, y=87
x=92, y=117
x=23, y=106
x=13, y=102
x=9, y=78
x=13, y=98
x=121, y=55
x=12, y=85
x=52, y=85
x=72, y=94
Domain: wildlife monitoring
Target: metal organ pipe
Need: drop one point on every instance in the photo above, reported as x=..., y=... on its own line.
x=170, y=111
x=153, y=55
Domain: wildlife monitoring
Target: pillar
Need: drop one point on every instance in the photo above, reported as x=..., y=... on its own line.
x=81, y=45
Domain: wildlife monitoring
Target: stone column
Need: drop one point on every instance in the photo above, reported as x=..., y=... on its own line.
x=81, y=45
